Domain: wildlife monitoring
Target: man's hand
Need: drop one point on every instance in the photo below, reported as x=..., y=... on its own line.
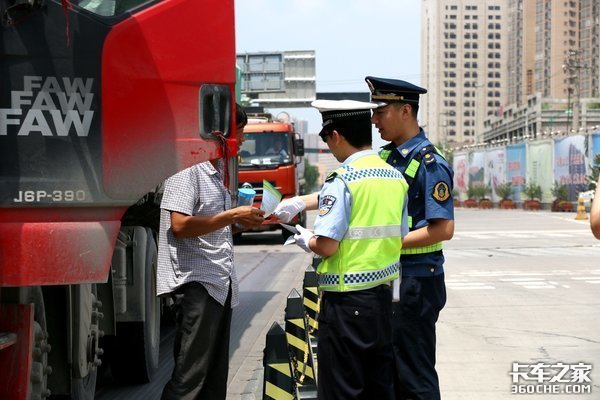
x=288, y=208
x=303, y=238
x=248, y=216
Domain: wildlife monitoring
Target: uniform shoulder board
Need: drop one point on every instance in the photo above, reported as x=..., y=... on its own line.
x=338, y=172
x=331, y=176
x=427, y=154
x=429, y=158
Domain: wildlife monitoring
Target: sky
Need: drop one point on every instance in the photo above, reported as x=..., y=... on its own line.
x=351, y=38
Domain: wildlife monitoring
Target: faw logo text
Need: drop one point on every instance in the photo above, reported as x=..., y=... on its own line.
x=49, y=106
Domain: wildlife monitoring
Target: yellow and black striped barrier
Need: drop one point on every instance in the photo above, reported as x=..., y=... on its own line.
x=311, y=301
x=298, y=341
x=279, y=383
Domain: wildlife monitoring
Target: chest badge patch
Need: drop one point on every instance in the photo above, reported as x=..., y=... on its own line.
x=441, y=191
x=326, y=205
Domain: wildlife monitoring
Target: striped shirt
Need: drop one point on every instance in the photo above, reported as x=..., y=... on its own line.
x=207, y=259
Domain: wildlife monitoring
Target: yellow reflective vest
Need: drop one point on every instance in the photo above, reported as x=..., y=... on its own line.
x=369, y=253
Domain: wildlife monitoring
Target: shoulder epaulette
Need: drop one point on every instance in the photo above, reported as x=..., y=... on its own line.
x=331, y=176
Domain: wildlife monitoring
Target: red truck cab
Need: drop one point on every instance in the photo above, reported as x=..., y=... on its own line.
x=100, y=101
x=273, y=152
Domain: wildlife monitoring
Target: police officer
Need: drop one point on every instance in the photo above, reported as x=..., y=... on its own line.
x=431, y=221
x=358, y=232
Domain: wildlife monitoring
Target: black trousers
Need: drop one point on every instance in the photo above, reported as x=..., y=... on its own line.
x=421, y=300
x=201, y=348
x=355, y=345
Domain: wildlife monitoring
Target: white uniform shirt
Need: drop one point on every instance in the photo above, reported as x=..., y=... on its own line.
x=207, y=259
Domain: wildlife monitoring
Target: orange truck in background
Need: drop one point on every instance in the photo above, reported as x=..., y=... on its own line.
x=273, y=152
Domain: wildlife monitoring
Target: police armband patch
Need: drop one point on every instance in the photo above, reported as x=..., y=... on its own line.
x=441, y=192
x=326, y=204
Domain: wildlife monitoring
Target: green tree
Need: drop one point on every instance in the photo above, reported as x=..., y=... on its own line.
x=311, y=175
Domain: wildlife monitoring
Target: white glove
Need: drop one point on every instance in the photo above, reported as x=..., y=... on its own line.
x=288, y=208
x=303, y=238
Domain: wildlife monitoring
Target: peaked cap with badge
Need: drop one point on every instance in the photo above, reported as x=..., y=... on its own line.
x=384, y=91
x=335, y=110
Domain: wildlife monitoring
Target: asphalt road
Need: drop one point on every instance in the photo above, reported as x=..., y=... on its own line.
x=522, y=288
x=267, y=272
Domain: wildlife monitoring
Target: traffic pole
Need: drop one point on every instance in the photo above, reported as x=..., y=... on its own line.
x=278, y=381
x=581, y=213
x=298, y=340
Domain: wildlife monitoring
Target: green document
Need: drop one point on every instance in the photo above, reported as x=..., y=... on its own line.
x=271, y=197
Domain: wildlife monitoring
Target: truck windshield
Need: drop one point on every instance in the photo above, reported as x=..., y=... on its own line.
x=264, y=148
x=109, y=8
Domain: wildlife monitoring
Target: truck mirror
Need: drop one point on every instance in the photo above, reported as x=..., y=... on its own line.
x=299, y=147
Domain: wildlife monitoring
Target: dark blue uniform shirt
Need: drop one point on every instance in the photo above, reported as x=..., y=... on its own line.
x=429, y=197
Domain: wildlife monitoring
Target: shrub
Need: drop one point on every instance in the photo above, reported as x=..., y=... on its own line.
x=533, y=191
x=478, y=191
x=505, y=190
x=560, y=192
x=471, y=191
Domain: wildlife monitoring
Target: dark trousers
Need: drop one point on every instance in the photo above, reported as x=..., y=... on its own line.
x=421, y=300
x=355, y=345
x=201, y=348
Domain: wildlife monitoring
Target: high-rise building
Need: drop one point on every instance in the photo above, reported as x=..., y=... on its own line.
x=589, y=39
x=553, y=69
x=541, y=35
x=521, y=49
x=463, y=66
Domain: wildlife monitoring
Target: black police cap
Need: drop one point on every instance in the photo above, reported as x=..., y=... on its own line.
x=393, y=90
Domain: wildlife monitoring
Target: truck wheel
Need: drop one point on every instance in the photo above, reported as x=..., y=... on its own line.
x=85, y=341
x=39, y=356
x=134, y=357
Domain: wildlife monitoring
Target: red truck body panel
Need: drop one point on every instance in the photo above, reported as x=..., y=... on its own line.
x=153, y=66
